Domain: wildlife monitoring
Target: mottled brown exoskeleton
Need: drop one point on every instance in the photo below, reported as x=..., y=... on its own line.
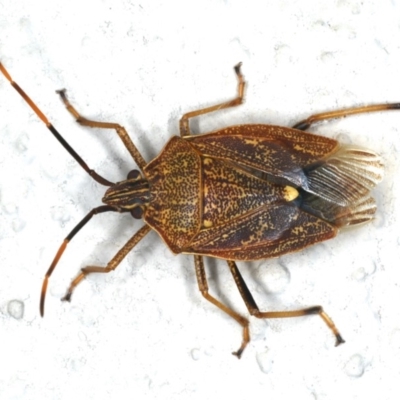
x=241, y=193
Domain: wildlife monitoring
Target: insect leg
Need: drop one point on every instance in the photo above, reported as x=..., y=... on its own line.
x=115, y=261
x=254, y=310
x=122, y=133
x=98, y=178
x=184, y=122
x=203, y=287
x=306, y=123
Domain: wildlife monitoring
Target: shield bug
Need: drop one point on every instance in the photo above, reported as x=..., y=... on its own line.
x=241, y=193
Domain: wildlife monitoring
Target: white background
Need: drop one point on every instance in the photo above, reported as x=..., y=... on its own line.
x=145, y=331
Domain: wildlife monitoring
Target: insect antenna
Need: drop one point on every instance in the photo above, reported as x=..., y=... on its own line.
x=98, y=178
x=84, y=221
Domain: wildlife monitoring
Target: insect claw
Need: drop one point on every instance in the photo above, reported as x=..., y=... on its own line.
x=339, y=340
x=237, y=68
x=67, y=297
x=238, y=353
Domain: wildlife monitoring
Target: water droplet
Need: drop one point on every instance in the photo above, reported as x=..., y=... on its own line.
x=264, y=361
x=16, y=308
x=18, y=224
x=277, y=278
x=195, y=353
x=355, y=367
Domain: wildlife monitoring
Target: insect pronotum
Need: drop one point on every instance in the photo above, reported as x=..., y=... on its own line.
x=245, y=192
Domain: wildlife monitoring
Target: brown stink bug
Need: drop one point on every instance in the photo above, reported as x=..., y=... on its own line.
x=241, y=193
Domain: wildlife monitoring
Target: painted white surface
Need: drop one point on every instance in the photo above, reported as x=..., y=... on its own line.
x=145, y=331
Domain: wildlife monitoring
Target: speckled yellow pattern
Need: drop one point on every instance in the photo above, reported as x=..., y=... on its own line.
x=174, y=209
x=233, y=193
x=278, y=151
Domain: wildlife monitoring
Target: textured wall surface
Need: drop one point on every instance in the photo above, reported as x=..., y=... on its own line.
x=145, y=331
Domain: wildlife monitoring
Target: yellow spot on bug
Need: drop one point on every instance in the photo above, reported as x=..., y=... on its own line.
x=254, y=142
x=208, y=224
x=290, y=193
x=297, y=230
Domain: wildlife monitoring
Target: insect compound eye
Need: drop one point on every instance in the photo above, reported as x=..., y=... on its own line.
x=137, y=212
x=134, y=174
